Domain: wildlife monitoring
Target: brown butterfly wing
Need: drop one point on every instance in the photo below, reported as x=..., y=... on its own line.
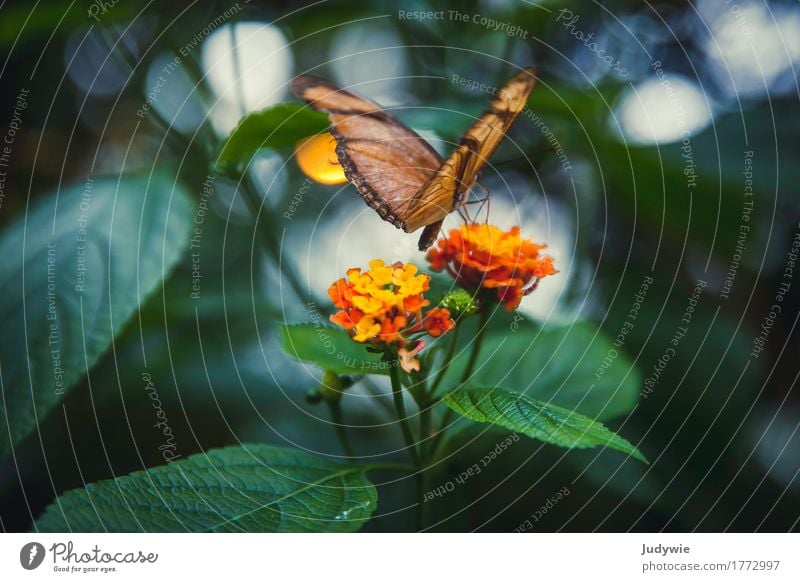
x=460, y=170
x=386, y=161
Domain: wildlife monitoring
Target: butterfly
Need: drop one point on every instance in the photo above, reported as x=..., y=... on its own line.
x=398, y=173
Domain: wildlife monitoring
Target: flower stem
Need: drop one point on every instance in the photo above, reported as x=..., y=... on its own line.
x=335, y=409
x=253, y=199
x=400, y=408
x=237, y=68
x=423, y=485
x=425, y=411
x=473, y=359
x=448, y=358
x=397, y=393
x=271, y=245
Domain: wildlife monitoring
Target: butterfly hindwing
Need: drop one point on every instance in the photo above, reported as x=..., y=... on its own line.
x=386, y=161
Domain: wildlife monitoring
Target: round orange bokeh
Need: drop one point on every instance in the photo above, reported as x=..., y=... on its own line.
x=316, y=156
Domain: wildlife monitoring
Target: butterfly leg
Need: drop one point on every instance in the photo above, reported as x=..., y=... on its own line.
x=484, y=202
x=463, y=214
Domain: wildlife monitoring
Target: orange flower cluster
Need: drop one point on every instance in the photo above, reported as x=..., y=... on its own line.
x=384, y=305
x=485, y=256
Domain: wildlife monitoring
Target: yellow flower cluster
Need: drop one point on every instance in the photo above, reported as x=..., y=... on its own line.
x=385, y=303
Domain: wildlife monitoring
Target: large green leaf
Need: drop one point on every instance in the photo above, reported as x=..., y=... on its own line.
x=251, y=488
x=277, y=127
x=539, y=420
x=558, y=365
x=330, y=349
x=74, y=271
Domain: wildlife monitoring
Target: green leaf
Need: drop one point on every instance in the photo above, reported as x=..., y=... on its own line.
x=559, y=365
x=539, y=420
x=330, y=349
x=250, y=488
x=74, y=271
x=277, y=127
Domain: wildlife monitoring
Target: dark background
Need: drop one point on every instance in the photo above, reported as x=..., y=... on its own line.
x=721, y=426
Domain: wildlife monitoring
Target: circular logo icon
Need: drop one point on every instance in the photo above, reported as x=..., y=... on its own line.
x=31, y=555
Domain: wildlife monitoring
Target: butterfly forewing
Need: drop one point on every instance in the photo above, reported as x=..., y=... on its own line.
x=386, y=161
x=458, y=173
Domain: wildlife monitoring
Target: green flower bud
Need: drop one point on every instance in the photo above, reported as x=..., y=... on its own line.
x=459, y=303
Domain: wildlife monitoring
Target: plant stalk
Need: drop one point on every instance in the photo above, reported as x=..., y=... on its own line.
x=335, y=409
x=400, y=408
x=425, y=411
x=448, y=358
x=270, y=244
x=473, y=359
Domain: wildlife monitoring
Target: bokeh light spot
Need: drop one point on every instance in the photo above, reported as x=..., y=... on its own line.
x=316, y=156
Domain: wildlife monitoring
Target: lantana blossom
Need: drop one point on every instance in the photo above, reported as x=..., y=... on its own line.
x=385, y=305
x=483, y=256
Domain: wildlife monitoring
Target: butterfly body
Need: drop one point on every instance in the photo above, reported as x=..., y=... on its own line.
x=398, y=173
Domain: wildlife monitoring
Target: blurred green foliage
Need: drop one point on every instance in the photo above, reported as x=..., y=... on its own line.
x=218, y=363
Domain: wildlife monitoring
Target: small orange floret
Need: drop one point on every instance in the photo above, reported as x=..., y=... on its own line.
x=438, y=321
x=485, y=256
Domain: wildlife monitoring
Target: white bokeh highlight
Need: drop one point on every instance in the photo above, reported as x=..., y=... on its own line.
x=663, y=111
x=266, y=63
